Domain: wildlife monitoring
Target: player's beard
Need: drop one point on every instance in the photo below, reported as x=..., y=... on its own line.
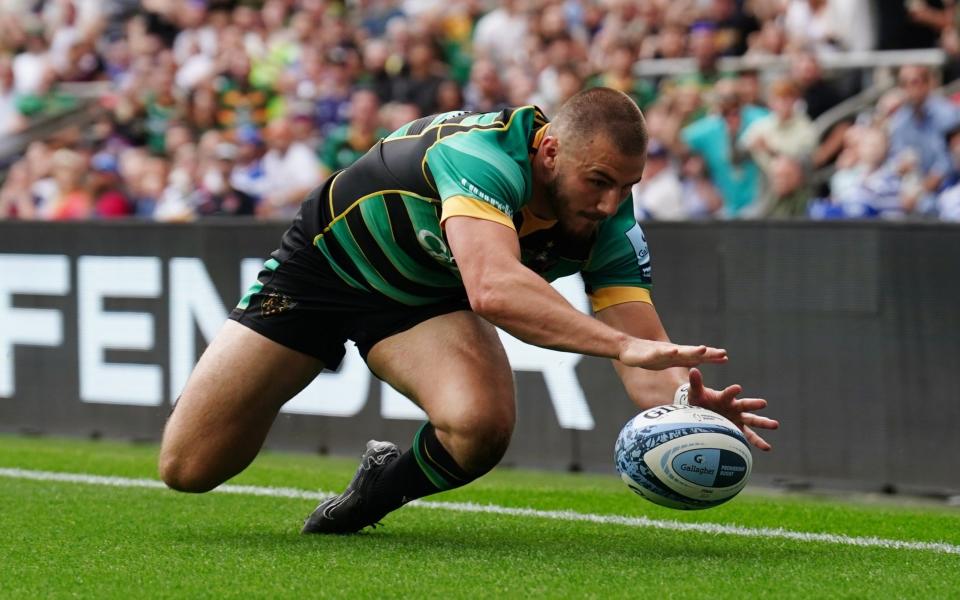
x=573, y=225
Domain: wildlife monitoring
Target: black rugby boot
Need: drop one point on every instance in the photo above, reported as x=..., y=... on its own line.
x=356, y=507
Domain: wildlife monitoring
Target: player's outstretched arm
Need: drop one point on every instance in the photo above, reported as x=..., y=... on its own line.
x=516, y=299
x=648, y=389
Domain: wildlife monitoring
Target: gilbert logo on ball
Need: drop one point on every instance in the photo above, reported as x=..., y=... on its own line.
x=683, y=457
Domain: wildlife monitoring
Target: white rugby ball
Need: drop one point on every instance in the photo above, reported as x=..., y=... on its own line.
x=683, y=457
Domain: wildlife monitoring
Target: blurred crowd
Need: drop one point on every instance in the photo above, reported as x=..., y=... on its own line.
x=240, y=107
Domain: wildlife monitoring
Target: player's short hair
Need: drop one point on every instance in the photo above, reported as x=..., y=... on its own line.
x=602, y=111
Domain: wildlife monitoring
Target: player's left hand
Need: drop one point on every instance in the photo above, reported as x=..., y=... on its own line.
x=726, y=403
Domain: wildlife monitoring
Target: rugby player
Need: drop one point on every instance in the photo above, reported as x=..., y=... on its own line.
x=449, y=226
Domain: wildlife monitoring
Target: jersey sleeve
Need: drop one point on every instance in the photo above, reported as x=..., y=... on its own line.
x=475, y=178
x=619, y=268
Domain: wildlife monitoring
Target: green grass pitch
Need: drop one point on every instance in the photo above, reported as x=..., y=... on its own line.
x=65, y=539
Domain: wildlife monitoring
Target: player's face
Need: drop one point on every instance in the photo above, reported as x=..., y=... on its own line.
x=591, y=182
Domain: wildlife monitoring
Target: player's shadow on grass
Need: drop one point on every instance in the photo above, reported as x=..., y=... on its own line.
x=602, y=542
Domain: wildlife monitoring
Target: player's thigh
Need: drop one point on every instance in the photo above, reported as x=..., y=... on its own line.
x=229, y=403
x=455, y=368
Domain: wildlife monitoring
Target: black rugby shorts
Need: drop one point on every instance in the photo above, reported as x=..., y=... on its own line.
x=301, y=303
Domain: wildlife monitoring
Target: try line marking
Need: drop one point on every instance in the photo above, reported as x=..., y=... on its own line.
x=559, y=515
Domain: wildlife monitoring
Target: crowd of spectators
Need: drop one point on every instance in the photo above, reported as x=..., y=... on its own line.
x=239, y=107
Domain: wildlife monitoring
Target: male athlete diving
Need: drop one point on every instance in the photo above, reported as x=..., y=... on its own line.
x=450, y=226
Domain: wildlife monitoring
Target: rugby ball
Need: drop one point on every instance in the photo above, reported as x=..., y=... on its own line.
x=683, y=457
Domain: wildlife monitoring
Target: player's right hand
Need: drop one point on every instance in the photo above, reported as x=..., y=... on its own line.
x=656, y=356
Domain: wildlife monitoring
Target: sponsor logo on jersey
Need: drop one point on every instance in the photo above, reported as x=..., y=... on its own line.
x=476, y=191
x=434, y=246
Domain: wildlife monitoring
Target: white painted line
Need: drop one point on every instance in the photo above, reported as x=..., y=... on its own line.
x=559, y=515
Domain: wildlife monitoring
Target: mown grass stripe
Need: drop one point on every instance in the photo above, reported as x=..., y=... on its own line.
x=559, y=515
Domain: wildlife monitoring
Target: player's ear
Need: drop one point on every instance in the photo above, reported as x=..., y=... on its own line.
x=550, y=147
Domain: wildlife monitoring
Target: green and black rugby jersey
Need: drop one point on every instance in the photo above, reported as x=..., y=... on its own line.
x=379, y=221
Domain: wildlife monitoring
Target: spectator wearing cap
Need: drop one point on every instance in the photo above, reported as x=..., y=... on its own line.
x=248, y=175
x=921, y=125
x=717, y=137
x=786, y=131
x=109, y=198
x=659, y=195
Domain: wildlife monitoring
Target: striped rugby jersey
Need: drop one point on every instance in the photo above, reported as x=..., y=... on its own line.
x=380, y=220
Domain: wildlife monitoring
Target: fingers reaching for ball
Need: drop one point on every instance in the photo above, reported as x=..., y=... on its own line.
x=737, y=410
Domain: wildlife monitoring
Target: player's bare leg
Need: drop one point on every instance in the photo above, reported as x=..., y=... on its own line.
x=455, y=368
x=228, y=406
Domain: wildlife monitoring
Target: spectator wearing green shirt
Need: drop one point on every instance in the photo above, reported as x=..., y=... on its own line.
x=346, y=143
x=717, y=138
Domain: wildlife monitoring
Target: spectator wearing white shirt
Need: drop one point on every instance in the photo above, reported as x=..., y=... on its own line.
x=876, y=186
x=948, y=204
x=501, y=34
x=812, y=24
x=659, y=195
x=30, y=67
x=11, y=120
x=290, y=169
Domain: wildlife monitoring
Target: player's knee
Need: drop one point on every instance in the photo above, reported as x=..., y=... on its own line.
x=485, y=440
x=494, y=447
x=184, y=473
